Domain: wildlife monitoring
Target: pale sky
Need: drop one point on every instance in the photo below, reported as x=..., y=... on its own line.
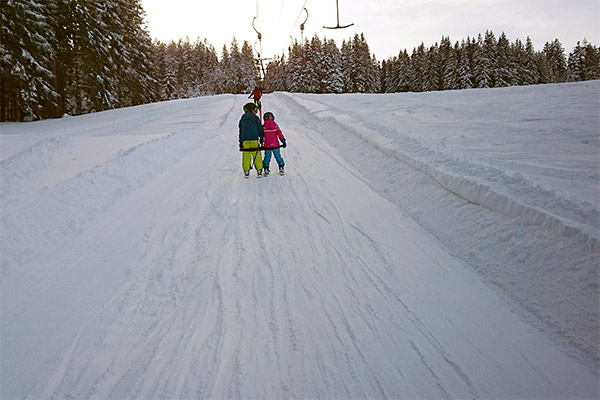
x=389, y=26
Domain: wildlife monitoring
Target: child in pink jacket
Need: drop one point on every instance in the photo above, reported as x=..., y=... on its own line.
x=272, y=137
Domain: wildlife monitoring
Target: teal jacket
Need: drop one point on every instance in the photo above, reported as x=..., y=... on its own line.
x=250, y=128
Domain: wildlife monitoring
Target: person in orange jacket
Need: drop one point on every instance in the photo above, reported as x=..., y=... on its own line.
x=257, y=94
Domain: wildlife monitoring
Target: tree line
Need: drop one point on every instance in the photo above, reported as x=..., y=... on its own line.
x=78, y=56
x=73, y=56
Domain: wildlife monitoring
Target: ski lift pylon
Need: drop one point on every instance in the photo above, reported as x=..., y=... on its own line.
x=338, y=19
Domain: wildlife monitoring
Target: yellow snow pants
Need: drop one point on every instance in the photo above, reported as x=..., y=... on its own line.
x=249, y=156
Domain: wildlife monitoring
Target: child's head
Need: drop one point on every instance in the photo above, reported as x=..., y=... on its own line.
x=250, y=107
x=269, y=116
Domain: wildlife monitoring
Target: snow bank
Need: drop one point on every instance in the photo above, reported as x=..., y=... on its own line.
x=511, y=190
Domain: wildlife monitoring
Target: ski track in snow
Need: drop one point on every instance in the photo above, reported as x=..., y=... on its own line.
x=158, y=271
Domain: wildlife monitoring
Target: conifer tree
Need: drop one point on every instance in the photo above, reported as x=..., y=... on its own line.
x=347, y=66
x=503, y=73
x=362, y=65
x=583, y=62
x=483, y=65
x=575, y=65
x=208, y=76
x=591, y=65
x=313, y=66
x=464, y=75
x=401, y=72
x=164, y=70
x=431, y=77
x=276, y=74
x=418, y=65
x=555, y=62
x=295, y=77
x=331, y=80
x=249, y=68
x=92, y=81
x=529, y=73
x=375, y=76
x=131, y=50
x=444, y=63
x=224, y=71
x=235, y=71
x=26, y=54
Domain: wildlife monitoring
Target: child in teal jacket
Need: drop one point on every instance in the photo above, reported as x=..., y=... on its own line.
x=251, y=137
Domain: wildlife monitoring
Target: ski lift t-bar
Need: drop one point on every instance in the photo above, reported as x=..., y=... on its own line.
x=338, y=19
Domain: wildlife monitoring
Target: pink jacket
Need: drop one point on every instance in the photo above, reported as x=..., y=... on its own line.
x=272, y=133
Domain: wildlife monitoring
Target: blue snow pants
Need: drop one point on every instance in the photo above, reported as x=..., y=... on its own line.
x=267, y=158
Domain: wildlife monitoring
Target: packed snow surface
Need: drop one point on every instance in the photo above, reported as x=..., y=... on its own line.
x=434, y=245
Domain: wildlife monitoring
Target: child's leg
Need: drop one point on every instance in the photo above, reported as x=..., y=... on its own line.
x=258, y=162
x=267, y=159
x=277, y=154
x=246, y=160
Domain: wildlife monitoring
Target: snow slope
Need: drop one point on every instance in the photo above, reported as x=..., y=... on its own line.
x=437, y=245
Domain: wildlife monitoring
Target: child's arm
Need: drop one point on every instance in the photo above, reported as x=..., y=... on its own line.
x=279, y=134
x=281, y=137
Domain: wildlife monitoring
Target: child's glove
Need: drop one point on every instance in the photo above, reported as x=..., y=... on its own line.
x=283, y=143
x=241, y=145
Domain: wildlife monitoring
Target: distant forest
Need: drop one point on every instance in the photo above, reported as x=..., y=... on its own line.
x=80, y=56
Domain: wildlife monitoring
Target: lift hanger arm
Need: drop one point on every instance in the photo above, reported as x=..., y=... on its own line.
x=338, y=19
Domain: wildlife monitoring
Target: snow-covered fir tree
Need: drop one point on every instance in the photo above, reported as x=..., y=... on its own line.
x=165, y=68
x=361, y=65
x=294, y=72
x=348, y=74
x=528, y=72
x=451, y=68
x=464, y=74
x=401, y=70
x=482, y=73
x=27, y=51
x=431, y=76
x=591, y=61
x=249, y=68
x=275, y=78
x=555, y=62
x=332, y=79
x=583, y=62
x=418, y=66
x=131, y=49
x=313, y=68
x=504, y=69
